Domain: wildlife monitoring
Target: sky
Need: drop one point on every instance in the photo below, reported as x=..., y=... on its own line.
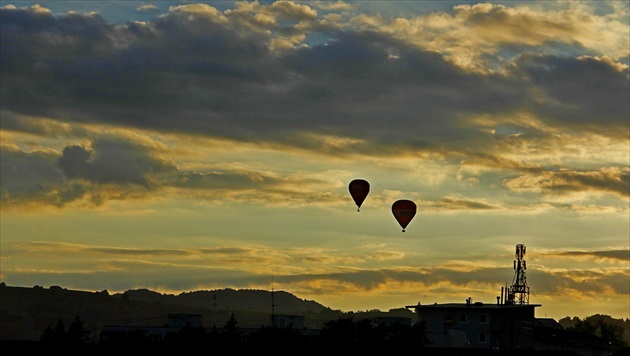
x=179, y=146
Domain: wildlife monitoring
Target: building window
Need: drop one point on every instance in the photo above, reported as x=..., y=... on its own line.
x=448, y=321
x=463, y=318
x=483, y=318
x=526, y=324
x=482, y=338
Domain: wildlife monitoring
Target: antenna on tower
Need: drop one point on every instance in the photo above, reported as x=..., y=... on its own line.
x=518, y=293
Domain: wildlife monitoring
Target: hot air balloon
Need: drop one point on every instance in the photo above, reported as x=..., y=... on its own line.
x=359, y=189
x=404, y=211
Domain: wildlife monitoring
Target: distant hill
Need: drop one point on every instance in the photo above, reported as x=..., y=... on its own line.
x=26, y=312
x=244, y=299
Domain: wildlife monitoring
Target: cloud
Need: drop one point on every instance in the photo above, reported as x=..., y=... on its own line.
x=184, y=73
x=620, y=254
x=612, y=180
x=111, y=168
x=336, y=268
x=147, y=8
x=569, y=85
x=112, y=161
x=497, y=119
x=31, y=177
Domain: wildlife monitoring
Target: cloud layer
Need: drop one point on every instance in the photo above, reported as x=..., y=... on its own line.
x=487, y=113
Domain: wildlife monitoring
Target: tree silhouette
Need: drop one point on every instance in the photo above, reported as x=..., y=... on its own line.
x=602, y=326
x=365, y=336
x=76, y=333
x=55, y=335
x=47, y=335
x=231, y=333
x=338, y=333
x=611, y=333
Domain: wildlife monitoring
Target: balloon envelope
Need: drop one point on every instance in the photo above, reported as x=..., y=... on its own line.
x=404, y=211
x=359, y=189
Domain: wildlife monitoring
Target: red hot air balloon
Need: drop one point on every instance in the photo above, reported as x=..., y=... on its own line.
x=359, y=189
x=404, y=211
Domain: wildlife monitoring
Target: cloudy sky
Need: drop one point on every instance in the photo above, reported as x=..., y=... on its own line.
x=182, y=146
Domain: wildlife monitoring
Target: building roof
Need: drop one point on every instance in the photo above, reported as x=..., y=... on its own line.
x=549, y=323
x=477, y=305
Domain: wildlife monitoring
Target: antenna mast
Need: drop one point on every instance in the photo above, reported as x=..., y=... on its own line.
x=518, y=293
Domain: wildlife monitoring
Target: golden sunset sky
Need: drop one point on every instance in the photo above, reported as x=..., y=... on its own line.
x=180, y=146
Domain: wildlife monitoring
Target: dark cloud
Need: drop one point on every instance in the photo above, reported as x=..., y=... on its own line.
x=584, y=90
x=372, y=279
x=450, y=203
x=226, y=180
x=205, y=75
x=541, y=282
x=199, y=71
x=612, y=181
x=586, y=282
x=618, y=282
x=116, y=168
x=623, y=255
x=49, y=179
x=112, y=161
x=32, y=177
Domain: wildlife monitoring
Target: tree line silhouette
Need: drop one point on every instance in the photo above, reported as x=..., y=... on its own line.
x=343, y=334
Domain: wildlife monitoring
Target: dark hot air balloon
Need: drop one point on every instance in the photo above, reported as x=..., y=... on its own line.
x=359, y=189
x=404, y=211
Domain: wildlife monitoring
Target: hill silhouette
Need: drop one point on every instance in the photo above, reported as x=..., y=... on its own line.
x=26, y=312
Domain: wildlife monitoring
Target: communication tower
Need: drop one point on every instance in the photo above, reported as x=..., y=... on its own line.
x=518, y=293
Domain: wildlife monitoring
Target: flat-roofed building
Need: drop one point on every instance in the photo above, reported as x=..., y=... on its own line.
x=478, y=325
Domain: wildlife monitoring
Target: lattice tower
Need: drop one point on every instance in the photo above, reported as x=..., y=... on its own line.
x=518, y=293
